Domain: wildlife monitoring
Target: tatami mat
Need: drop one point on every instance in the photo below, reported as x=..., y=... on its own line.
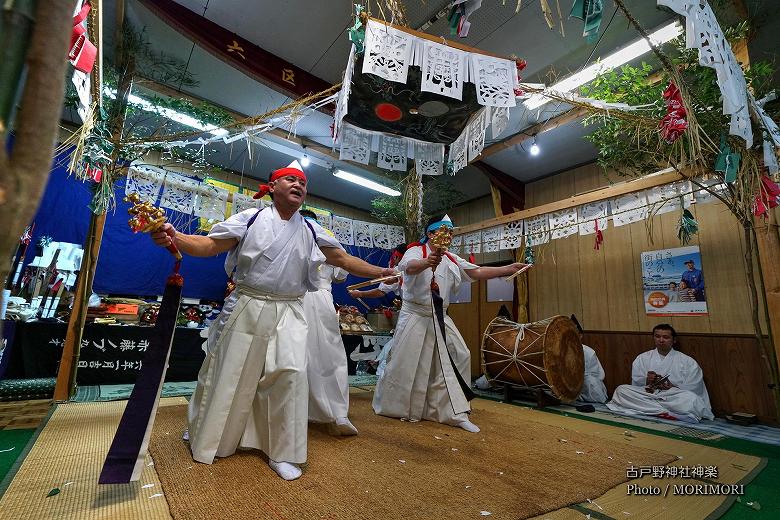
x=68, y=456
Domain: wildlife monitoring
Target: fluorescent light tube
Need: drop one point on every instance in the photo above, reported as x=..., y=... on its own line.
x=618, y=58
x=362, y=181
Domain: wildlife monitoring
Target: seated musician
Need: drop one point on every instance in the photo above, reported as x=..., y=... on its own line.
x=593, y=388
x=665, y=383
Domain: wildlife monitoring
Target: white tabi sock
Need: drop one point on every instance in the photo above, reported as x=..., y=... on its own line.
x=186, y=435
x=345, y=427
x=285, y=470
x=468, y=426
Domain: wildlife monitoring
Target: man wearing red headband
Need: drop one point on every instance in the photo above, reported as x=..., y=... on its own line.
x=252, y=389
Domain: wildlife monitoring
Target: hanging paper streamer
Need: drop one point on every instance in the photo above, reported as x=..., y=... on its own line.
x=673, y=124
x=768, y=197
x=355, y=144
x=727, y=162
x=243, y=202
x=82, y=53
x=472, y=242
x=379, y=236
x=343, y=229
x=179, y=193
x=443, y=70
x=357, y=33
x=528, y=255
x=458, y=156
x=395, y=235
x=590, y=12
x=686, y=227
x=476, y=134
x=456, y=246
x=667, y=198
x=392, y=153
x=211, y=202
x=429, y=158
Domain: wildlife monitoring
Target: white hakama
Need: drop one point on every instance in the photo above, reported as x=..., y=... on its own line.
x=419, y=381
x=326, y=355
x=593, y=388
x=252, y=388
x=687, y=401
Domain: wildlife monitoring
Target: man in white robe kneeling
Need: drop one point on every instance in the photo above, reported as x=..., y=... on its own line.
x=420, y=380
x=665, y=383
x=325, y=354
x=593, y=388
x=252, y=389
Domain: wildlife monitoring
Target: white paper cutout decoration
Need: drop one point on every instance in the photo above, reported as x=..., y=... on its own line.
x=355, y=144
x=145, y=181
x=443, y=70
x=392, y=153
x=379, y=236
x=494, y=79
x=429, y=158
x=589, y=214
x=629, y=208
x=342, y=228
x=362, y=233
x=512, y=235
x=179, y=193
x=563, y=223
x=537, y=230
x=491, y=239
x=388, y=52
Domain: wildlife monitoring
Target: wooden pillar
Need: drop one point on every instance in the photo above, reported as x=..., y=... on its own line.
x=508, y=195
x=768, y=241
x=66, y=375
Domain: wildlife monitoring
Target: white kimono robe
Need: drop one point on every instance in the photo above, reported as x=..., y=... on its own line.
x=593, y=388
x=325, y=353
x=419, y=381
x=252, y=390
x=687, y=401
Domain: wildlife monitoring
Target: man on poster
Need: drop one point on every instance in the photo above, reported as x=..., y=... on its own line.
x=694, y=279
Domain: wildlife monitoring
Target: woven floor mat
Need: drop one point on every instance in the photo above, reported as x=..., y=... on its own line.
x=68, y=455
x=514, y=468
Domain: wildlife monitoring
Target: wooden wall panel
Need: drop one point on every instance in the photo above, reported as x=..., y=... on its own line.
x=734, y=373
x=567, y=258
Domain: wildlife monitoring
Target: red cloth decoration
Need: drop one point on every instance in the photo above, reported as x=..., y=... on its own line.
x=520, y=64
x=673, y=124
x=395, y=257
x=82, y=52
x=293, y=169
x=472, y=259
x=599, y=237
x=767, y=197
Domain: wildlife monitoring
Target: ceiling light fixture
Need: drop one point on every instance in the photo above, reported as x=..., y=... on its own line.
x=535, y=148
x=616, y=59
x=305, y=161
x=362, y=181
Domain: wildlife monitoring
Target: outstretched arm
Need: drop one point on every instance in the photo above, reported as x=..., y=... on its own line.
x=373, y=293
x=486, y=273
x=340, y=258
x=192, y=245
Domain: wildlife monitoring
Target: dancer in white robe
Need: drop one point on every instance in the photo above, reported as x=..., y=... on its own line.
x=665, y=383
x=252, y=388
x=325, y=354
x=593, y=388
x=382, y=290
x=419, y=381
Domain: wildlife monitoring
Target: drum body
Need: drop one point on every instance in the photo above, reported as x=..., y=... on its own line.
x=545, y=354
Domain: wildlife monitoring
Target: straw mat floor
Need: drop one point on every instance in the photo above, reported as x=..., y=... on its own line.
x=514, y=468
x=68, y=455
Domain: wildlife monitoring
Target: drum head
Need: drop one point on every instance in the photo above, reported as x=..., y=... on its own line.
x=564, y=360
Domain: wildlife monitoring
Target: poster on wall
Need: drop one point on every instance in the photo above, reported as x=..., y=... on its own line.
x=673, y=282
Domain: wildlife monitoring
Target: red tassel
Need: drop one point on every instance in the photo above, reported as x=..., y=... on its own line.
x=472, y=260
x=599, y=237
x=262, y=191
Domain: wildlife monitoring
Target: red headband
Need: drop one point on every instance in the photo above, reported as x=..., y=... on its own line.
x=281, y=172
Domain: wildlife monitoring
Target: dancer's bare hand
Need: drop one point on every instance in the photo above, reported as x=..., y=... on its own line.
x=165, y=235
x=513, y=268
x=434, y=259
x=389, y=271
